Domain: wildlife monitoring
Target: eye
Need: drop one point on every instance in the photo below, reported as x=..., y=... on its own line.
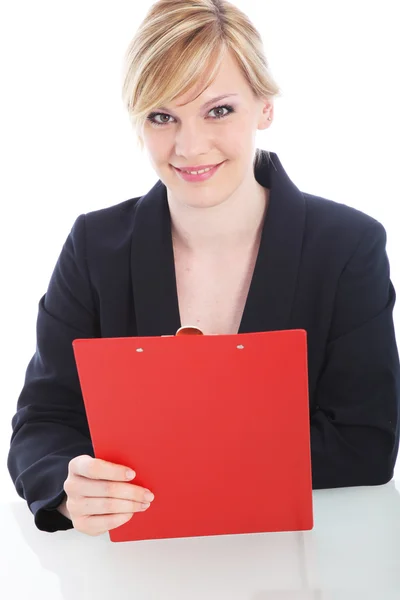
x=224, y=107
x=152, y=116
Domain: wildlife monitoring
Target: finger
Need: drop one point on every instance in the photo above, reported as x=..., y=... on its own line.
x=96, y=468
x=83, y=507
x=82, y=486
x=101, y=524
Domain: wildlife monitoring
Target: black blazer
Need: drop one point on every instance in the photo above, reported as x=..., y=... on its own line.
x=322, y=266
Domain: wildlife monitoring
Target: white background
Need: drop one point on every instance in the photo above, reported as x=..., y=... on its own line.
x=67, y=146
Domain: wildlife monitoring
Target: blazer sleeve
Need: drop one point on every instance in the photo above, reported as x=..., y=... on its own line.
x=355, y=421
x=50, y=426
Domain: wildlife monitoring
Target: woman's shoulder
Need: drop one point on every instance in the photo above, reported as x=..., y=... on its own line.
x=110, y=226
x=113, y=214
x=336, y=222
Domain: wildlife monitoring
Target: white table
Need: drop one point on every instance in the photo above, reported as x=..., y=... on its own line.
x=353, y=552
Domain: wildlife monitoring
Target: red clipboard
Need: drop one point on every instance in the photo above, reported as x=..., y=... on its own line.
x=217, y=427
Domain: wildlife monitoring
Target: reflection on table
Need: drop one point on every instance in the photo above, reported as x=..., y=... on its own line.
x=352, y=552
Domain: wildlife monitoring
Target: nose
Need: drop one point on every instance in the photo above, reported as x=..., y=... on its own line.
x=192, y=141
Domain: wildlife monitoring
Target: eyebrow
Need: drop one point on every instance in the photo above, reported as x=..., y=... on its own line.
x=216, y=99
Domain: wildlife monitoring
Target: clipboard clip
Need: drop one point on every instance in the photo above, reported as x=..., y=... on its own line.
x=189, y=330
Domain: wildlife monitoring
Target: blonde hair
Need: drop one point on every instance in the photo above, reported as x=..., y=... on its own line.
x=182, y=42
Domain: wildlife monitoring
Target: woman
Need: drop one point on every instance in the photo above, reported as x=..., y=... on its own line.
x=232, y=247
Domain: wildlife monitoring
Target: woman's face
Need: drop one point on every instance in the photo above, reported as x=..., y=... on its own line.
x=199, y=134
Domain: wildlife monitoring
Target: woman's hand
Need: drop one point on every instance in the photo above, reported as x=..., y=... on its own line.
x=99, y=497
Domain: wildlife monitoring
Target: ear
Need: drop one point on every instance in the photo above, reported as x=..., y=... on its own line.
x=266, y=110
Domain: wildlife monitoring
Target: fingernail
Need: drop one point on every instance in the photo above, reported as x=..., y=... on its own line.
x=130, y=474
x=148, y=496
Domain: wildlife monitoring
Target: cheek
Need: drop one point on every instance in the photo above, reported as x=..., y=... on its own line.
x=238, y=134
x=236, y=142
x=156, y=143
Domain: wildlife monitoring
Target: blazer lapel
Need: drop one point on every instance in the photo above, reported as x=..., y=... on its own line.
x=269, y=303
x=153, y=268
x=270, y=299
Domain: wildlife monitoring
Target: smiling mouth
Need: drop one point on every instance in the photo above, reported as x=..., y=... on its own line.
x=199, y=176
x=199, y=171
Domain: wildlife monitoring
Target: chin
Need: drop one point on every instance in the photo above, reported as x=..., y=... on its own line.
x=201, y=200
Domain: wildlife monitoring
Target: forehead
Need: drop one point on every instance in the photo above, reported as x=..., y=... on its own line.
x=229, y=79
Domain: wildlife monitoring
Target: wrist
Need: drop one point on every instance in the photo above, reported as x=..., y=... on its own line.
x=62, y=508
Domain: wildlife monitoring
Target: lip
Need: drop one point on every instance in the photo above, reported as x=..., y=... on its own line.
x=201, y=177
x=199, y=168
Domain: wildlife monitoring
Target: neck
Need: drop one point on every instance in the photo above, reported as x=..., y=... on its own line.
x=235, y=222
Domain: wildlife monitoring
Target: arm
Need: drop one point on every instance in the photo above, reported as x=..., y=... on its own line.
x=50, y=425
x=355, y=420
